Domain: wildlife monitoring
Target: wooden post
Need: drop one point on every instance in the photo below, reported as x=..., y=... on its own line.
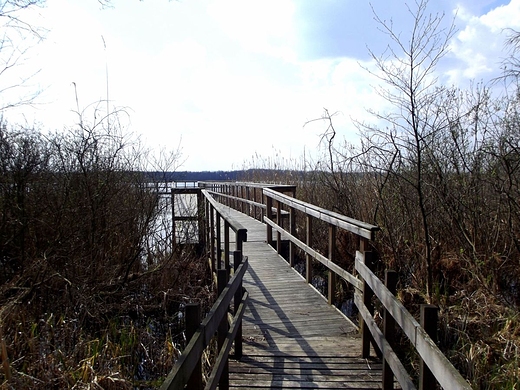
x=237, y=260
x=366, y=337
x=279, y=223
x=213, y=248
x=429, y=318
x=389, y=329
x=174, y=240
x=255, y=208
x=308, y=241
x=241, y=236
x=219, y=241
x=200, y=219
x=292, y=230
x=227, y=252
x=248, y=197
x=242, y=204
x=222, y=279
x=192, y=323
x=332, y=257
x=269, y=215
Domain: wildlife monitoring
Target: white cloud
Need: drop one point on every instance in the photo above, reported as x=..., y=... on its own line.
x=479, y=44
x=266, y=27
x=225, y=75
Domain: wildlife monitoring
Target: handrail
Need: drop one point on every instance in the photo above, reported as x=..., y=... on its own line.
x=246, y=201
x=345, y=275
x=352, y=225
x=237, y=198
x=441, y=368
x=246, y=197
x=215, y=211
x=185, y=365
x=224, y=213
x=434, y=364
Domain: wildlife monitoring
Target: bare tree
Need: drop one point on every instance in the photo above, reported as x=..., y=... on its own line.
x=17, y=38
x=407, y=72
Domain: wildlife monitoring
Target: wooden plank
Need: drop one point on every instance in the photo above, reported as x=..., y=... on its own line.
x=360, y=228
x=402, y=316
x=445, y=373
x=291, y=337
x=224, y=352
x=348, y=277
x=388, y=353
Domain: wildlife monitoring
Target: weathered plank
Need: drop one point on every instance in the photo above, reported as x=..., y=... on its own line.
x=291, y=337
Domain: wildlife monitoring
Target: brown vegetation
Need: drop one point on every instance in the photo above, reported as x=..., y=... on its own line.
x=91, y=291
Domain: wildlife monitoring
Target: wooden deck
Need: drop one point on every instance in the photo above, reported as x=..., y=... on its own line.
x=292, y=337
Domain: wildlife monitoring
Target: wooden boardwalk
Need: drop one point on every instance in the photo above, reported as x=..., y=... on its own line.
x=292, y=337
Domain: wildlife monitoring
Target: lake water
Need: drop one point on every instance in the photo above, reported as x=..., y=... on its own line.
x=185, y=205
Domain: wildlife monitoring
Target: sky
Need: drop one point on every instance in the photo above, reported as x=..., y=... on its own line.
x=235, y=82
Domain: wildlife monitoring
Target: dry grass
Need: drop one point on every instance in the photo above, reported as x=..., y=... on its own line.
x=128, y=339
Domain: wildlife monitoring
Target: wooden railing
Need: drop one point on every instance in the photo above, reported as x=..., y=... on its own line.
x=279, y=212
x=216, y=213
x=187, y=371
x=245, y=197
x=435, y=367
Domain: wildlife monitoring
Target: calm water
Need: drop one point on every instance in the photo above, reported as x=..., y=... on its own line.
x=185, y=205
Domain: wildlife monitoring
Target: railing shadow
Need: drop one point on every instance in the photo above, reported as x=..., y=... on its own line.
x=286, y=329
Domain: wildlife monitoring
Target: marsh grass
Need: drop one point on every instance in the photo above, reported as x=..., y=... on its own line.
x=92, y=289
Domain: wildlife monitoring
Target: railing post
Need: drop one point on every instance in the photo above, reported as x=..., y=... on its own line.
x=174, y=240
x=213, y=247
x=241, y=188
x=308, y=241
x=222, y=280
x=429, y=318
x=269, y=215
x=219, y=242
x=226, y=246
x=366, y=337
x=292, y=229
x=200, y=219
x=192, y=323
x=255, y=208
x=241, y=236
x=279, y=223
x=389, y=329
x=248, y=197
x=332, y=257
x=237, y=260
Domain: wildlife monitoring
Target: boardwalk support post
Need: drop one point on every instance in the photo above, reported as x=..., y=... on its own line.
x=279, y=223
x=269, y=215
x=292, y=227
x=389, y=329
x=227, y=252
x=332, y=257
x=213, y=247
x=222, y=279
x=429, y=318
x=366, y=336
x=308, y=241
x=237, y=260
x=219, y=241
x=192, y=323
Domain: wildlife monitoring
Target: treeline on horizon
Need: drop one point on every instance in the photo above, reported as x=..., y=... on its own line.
x=234, y=175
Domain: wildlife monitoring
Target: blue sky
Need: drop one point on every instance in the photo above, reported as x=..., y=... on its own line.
x=231, y=79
